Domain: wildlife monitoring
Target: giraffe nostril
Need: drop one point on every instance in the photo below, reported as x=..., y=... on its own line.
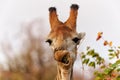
x=55, y=50
x=59, y=49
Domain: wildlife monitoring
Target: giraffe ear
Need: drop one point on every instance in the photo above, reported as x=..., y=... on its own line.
x=71, y=22
x=53, y=18
x=81, y=35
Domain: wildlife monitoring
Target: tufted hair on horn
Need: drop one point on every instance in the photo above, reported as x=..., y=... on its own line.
x=71, y=22
x=53, y=18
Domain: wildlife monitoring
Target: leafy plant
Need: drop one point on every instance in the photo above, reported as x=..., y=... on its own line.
x=92, y=59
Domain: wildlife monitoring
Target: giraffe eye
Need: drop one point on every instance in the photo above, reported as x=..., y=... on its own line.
x=49, y=41
x=76, y=39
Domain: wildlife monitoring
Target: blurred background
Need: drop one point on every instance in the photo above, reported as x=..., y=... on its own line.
x=24, y=26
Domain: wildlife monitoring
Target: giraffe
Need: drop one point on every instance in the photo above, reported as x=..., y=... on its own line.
x=63, y=40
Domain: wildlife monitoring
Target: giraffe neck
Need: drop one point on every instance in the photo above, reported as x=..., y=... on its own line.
x=63, y=74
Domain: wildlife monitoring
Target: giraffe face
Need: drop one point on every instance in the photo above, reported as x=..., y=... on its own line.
x=63, y=39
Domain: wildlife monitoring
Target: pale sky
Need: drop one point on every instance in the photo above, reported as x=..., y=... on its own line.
x=93, y=16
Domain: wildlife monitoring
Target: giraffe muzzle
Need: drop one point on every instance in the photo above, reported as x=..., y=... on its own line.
x=62, y=56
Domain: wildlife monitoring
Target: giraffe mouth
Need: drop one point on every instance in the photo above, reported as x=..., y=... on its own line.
x=62, y=56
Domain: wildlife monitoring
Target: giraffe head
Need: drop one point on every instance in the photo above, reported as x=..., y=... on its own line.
x=63, y=38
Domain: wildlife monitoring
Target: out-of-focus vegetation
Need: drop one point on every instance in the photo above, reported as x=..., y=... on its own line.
x=32, y=62
x=110, y=71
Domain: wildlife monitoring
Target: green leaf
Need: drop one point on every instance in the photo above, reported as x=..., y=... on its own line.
x=96, y=72
x=103, y=66
x=118, y=61
x=97, y=78
x=111, y=54
x=119, y=47
x=83, y=56
x=99, y=59
x=108, y=71
x=91, y=52
x=113, y=66
x=95, y=55
x=110, y=50
x=92, y=64
x=98, y=62
x=111, y=57
x=85, y=61
x=118, y=69
x=101, y=76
